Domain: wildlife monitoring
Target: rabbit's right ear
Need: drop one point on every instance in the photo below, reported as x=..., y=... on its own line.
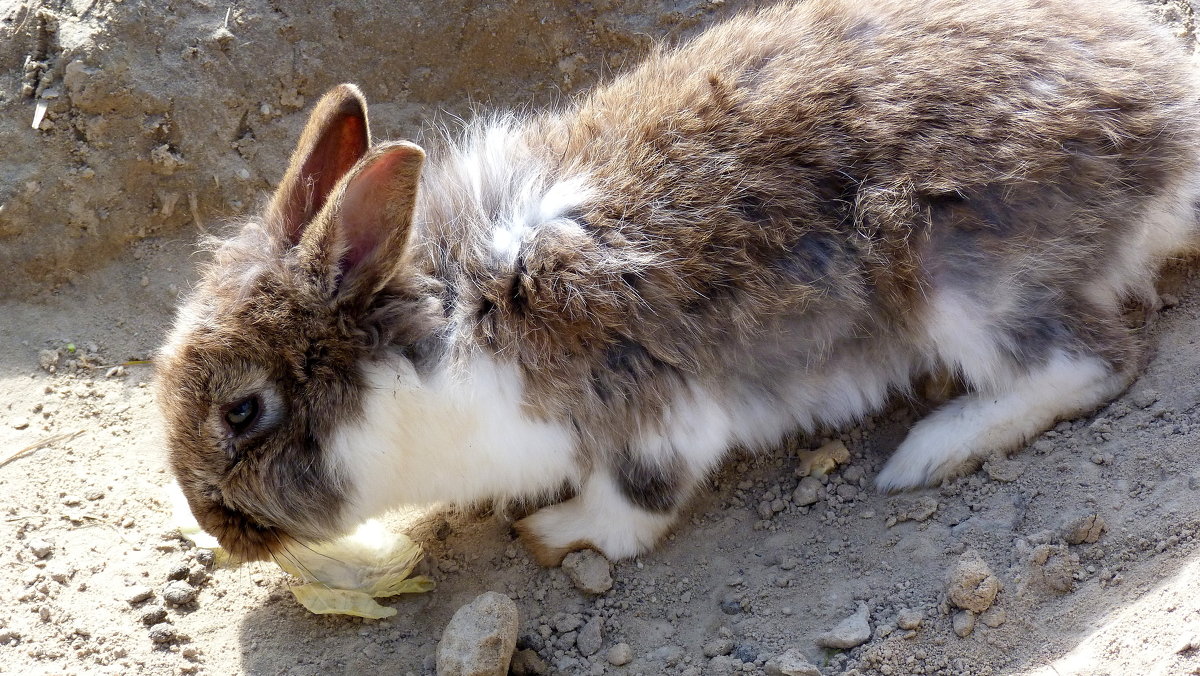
x=334, y=140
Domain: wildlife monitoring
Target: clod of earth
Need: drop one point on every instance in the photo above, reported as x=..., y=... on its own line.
x=824, y=460
x=972, y=585
x=1085, y=529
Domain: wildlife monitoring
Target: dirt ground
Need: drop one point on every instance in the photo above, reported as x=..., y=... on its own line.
x=1092, y=534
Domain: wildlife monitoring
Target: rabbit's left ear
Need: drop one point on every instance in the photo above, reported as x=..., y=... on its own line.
x=335, y=138
x=357, y=241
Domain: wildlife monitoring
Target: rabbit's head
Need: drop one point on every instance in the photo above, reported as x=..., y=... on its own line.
x=265, y=358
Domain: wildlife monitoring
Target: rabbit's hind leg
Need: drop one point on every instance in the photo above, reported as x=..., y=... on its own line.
x=968, y=429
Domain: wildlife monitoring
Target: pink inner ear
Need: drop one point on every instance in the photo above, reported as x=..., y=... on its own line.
x=373, y=218
x=339, y=148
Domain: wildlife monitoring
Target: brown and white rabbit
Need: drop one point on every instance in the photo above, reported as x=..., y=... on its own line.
x=774, y=227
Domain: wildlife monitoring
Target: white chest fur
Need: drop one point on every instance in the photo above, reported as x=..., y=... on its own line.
x=457, y=436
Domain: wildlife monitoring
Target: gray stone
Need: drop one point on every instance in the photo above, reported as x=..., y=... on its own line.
x=850, y=632
x=163, y=633
x=40, y=548
x=718, y=646
x=1002, y=469
x=909, y=619
x=590, y=638
x=139, y=593
x=1145, y=398
x=480, y=638
x=922, y=508
x=807, y=493
x=153, y=615
x=179, y=593
x=670, y=654
x=589, y=570
x=744, y=652
x=619, y=655
x=993, y=617
x=1055, y=567
x=963, y=622
x=567, y=622
x=790, y=663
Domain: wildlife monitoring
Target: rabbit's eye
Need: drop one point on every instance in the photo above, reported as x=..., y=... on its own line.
x=242, y=414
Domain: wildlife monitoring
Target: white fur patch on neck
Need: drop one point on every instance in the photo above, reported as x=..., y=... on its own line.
x=494, y=178
x=541, y=207
x=458, y=436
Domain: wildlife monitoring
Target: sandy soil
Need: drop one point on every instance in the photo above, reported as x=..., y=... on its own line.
x=1092, y=533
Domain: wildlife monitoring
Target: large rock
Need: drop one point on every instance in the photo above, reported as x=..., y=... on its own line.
x=480, y=638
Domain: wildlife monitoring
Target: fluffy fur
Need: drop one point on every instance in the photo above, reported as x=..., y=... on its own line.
x=773, y=227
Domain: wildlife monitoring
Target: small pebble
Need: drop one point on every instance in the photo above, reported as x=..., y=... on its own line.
x=619, y=655
x=40, y=548
x=850, y=632
x=1085, y=529
x=790, y=663
x=138, y=593
x=964, y=623
x=807, y=492
x=480, y=637
x=590, y=638
x=1145, y=398
x=719, y=646
x=589, y=571
x=568, y=622
x=909, y=619
x=179, y=593
x=923, y=508
x=745, y=653
x=179, y=571
x=153, y=615
x=163, y=633
x=993, y=617
x=1002, y=470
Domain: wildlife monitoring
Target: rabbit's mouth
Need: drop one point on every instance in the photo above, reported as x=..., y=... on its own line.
x=244, y=538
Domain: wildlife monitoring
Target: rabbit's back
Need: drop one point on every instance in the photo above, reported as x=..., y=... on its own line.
x=797, y=179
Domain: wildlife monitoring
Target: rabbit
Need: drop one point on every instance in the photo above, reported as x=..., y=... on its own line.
x=775, y=227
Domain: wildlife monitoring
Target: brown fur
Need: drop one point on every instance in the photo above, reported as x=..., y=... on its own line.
x=542, y=553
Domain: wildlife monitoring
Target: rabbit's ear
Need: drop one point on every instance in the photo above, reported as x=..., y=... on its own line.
x=362, y=235
x=334, y=140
